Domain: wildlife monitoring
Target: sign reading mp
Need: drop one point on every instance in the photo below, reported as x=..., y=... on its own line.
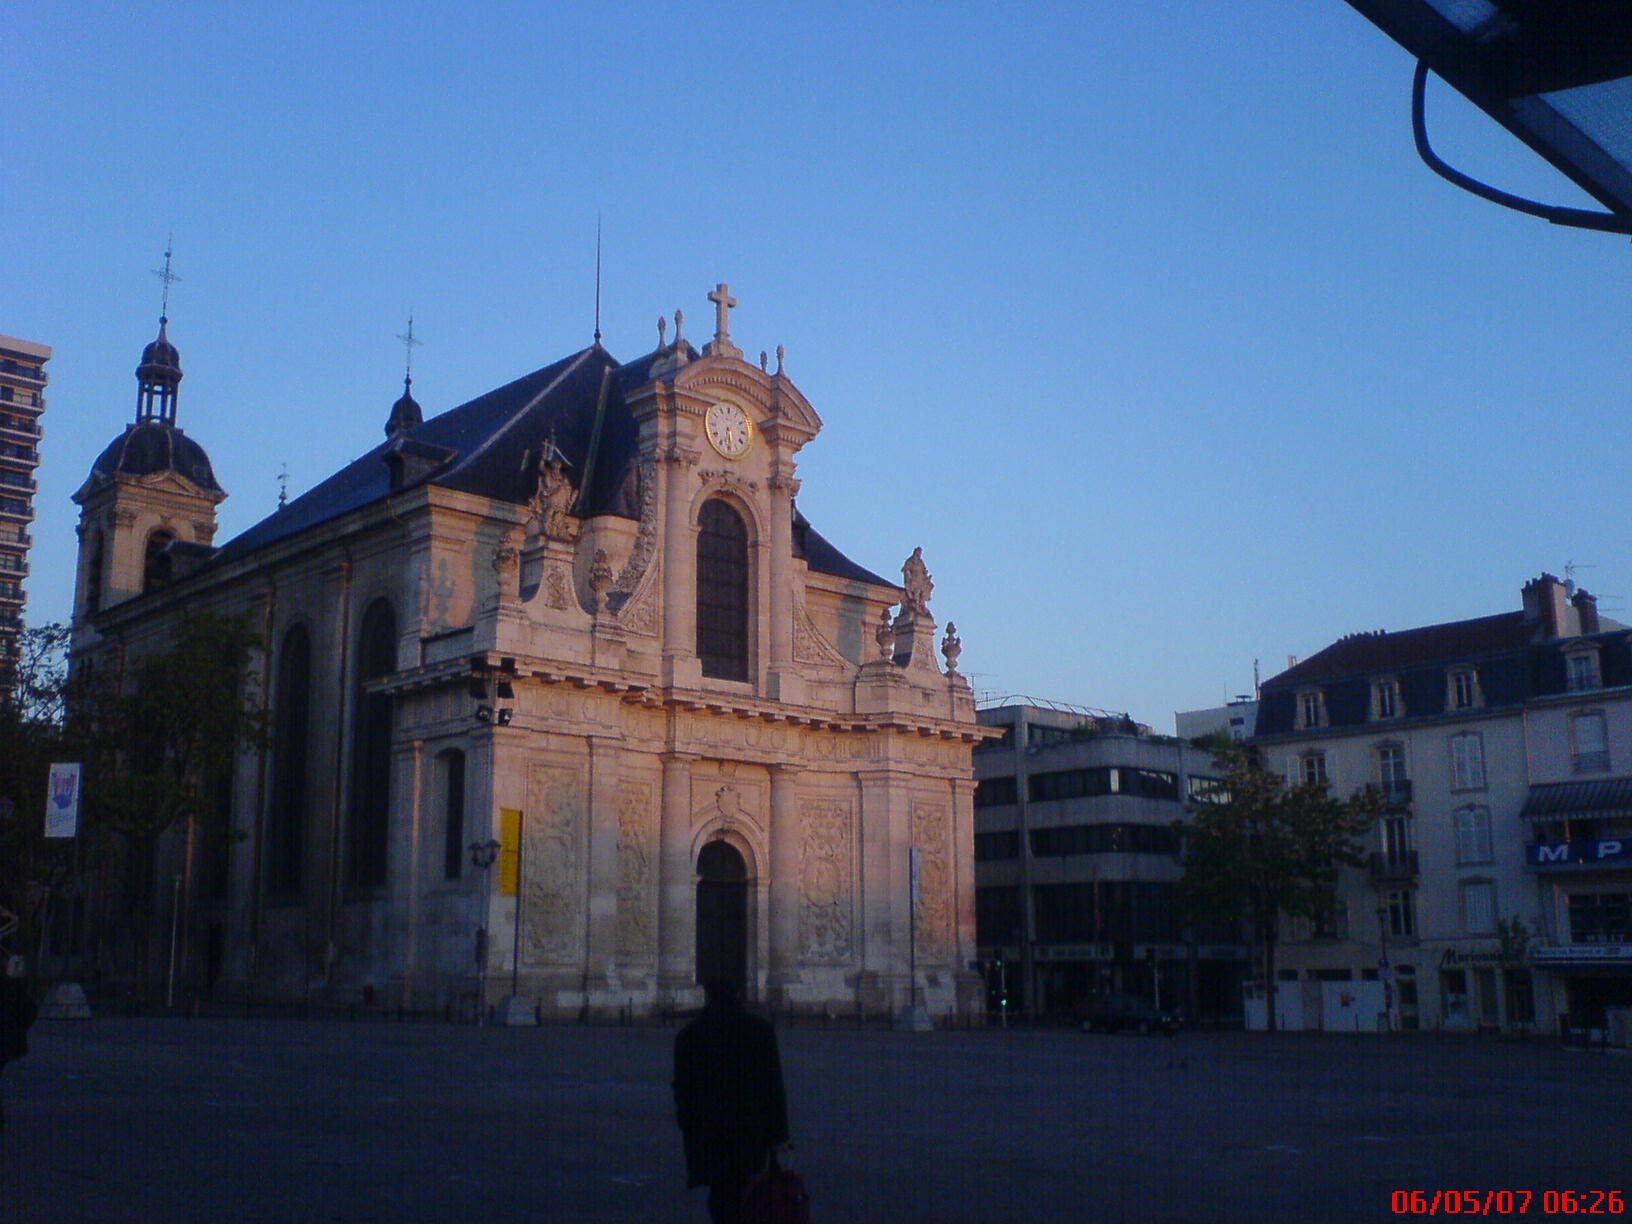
x=1609, y=851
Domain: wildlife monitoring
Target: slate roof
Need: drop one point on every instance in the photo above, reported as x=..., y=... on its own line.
x=489, y=447
x=149, y=447
x=1374, y=653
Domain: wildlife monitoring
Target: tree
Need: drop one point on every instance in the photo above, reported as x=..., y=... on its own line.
x=32, y=735
x=162, y=754
x=1258, y=849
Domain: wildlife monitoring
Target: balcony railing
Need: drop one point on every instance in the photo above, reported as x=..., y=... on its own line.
x=1590, y=762
x=1398, y=865
x=1395, y=792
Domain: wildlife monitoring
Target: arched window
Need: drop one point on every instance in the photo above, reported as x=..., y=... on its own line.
x=156, y=561
x=371, y=750
x=291, y=718
x=453, y=813
x=722, y=592
x=93, y=575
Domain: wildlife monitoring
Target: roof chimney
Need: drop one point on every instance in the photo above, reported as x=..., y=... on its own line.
x=1546, y=606
x=1586, y=610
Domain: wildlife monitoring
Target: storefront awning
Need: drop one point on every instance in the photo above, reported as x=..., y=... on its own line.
x=1600, y=799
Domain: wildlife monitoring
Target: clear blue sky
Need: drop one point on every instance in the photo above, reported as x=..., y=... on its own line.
x=1143, y=319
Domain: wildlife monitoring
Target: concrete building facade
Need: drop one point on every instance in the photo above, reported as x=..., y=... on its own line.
x=22, y=404
x=1076, y=862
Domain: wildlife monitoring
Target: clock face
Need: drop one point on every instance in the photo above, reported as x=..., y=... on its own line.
x=730, y=430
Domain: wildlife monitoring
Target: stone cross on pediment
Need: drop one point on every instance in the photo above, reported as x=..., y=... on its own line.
x=723, y=302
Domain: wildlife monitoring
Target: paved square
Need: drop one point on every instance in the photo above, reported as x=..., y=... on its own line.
x=158, y=1120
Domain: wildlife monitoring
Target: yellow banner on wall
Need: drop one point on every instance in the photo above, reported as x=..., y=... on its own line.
x=509, y=851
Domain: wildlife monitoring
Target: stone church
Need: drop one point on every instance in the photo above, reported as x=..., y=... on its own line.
x=565, y=694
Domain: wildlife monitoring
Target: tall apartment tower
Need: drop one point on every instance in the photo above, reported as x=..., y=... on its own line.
x=22, y=402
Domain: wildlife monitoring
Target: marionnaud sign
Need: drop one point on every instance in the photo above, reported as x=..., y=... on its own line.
x=1616, y=850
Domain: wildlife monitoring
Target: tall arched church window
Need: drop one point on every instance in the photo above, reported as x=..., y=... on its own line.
x=93, y=575
x=370, y=808
x=291, y=720
x=453, y=813
x=156, y=561
x=722, y=592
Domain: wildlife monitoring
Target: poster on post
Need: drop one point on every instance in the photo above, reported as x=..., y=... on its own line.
x=62, y=800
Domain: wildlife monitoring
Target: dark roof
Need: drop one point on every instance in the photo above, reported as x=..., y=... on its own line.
x=492, y=446
x=149, y=447
x=1596, y=800
x=1384, y=652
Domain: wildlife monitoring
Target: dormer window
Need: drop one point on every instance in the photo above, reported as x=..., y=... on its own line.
x=1581, y=670
x=1385, y=699
x=1462, y=689
x=1311, y=709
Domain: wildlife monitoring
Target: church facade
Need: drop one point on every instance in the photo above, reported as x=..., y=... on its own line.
x=566, y=699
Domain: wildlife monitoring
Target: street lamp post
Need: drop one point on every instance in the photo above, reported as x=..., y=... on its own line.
x=482, y=857
x=1384, y=971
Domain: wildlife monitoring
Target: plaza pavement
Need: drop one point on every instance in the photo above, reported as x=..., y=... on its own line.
x=142, y=1120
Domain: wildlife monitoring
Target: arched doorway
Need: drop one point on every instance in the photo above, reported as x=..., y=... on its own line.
x=722, y=914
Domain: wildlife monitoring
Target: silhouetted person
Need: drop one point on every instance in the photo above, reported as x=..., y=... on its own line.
x=17, y=1012
x=729, y=1096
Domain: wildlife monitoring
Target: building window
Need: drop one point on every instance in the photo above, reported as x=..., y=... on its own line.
x=1581, y=671
x=722, y=592
x=1311, y=709
x=1589, y=743
x=1312, y=768
x=1385, y=699
x=1464, y=689
x=291, y=719
x=990, y=847
x=1468, y=761
x=1391, y=772
x=1397, y=841
x=1600, y=918
x=997, y=916
x=1402, y=912
x=994, y=792
x=453, y=813
x=1472, y=834
x=156, y=561
x=369, y=843
x=1479, y=907
x=1331, y=921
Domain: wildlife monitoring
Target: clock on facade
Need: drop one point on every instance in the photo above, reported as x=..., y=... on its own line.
x=730, y=430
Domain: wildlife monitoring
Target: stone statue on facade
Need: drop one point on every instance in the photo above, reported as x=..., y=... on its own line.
x=552, y=501
x=915, y=579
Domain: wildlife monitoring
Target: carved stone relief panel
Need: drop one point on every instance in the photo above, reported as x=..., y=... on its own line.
x=637, y=876
x=552, y=866
x=936, y=909
x=826, y=881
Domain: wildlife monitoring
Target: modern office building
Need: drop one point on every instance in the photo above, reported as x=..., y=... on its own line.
x=1076, y=862
x=1496, y=887
x=22, y=403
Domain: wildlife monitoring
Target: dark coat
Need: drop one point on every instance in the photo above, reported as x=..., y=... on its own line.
x=17, y=1012
x=729, y=1096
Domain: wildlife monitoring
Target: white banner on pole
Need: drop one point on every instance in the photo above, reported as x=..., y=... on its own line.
x=62, y=800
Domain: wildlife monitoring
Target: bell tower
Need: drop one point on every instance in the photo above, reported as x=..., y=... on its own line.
x=147, y=510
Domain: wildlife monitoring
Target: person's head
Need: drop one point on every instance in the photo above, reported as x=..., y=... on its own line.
x=14, y=965
x=722, y=992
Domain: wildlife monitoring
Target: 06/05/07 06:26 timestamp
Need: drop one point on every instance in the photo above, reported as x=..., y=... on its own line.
x=1507, y=1202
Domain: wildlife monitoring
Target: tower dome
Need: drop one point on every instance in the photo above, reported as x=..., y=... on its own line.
x=405, y=413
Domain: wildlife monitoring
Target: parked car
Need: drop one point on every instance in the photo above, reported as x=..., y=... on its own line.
x=1113, y=1012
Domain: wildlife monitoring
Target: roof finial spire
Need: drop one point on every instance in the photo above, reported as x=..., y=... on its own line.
x=283, y=487
x=410, y=343
x=168, y=277
x=597, y=278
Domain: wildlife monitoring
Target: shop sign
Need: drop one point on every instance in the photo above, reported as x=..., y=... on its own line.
x=1613, y=850
x=1595, y=953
